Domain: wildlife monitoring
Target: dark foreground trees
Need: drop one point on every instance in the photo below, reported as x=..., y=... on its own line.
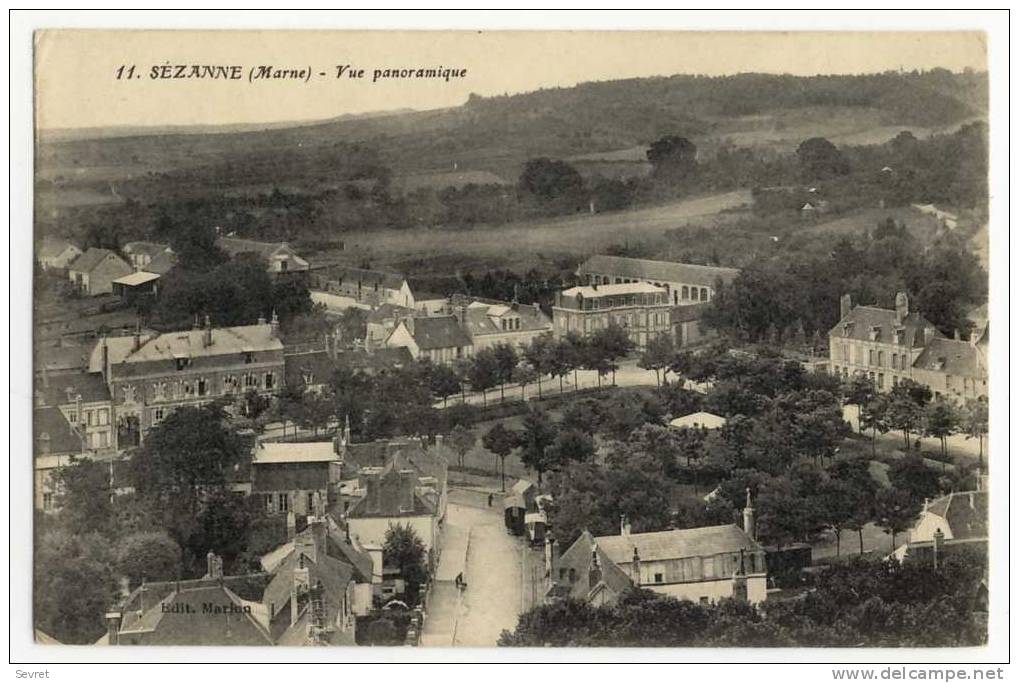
x=859, y=604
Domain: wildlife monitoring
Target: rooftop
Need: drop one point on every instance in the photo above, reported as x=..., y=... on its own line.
x=954, y=357
x=134, y=279
x=92, y=258
x=270, y=453
x=439, y=332
x=186, y=344
x=52, y=247
x=677, y=543
x=65, y=388
x=705, y=420
x=965, y=512
x=861, y=322
x=596, y=291
x=53, y=433
x=365, y=276
x=662, y=271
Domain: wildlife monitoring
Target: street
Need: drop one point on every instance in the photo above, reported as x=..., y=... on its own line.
x=475, y=542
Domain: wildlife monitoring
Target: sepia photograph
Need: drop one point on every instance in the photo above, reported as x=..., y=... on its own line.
x=513, y=339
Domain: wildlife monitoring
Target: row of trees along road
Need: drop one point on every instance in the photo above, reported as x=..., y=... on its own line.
x=909, y=408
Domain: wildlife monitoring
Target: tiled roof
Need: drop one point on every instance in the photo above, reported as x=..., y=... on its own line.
x=677, y=543
x=953, y=357
x=863, y=319
x=92, y=258
x=965, y=512
x=662, y=271
x=50, y=426
x=439, y=332
x=140, y=277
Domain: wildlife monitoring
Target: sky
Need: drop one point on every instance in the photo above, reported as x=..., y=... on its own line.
x=77, y=85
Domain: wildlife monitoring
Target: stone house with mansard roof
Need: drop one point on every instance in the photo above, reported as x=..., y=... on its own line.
x=149, y=375
x=889, y=346
x=641, y=309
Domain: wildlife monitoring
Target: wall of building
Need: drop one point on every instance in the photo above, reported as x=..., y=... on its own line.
x=372, y=530
x=718, y=589
x=100, y=279
x=680, y=293
x=887, y=364
x=641, y=322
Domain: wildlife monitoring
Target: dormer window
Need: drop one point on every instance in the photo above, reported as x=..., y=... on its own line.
x=875, y=333
x=249, y=357
x=900, y=335
x=847, y=329
x=182, y=363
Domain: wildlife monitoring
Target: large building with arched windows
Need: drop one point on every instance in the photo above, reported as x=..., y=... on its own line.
x=684, y=283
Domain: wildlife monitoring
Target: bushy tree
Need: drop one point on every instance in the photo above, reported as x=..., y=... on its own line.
x=85, y=498
x=152, y=556
x=501, y=442
x=536, y=437
x=74, y=585
x=404, y=550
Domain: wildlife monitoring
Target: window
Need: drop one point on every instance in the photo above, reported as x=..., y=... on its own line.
x=249, y=357
x=704, y=600
x=704, y=293
x=202, y=387
x=311, y=501
x=881, y=358
x=72, y=416
x=103, y=417
x=658, y=577
x=895, y=360
x=562, y=573
x=182, y=363
x=158, y=414
x=270, y=380
x=250, y=380
x=269, y=507
x=686, y=292
x=283, y=266
x=870, y=357
x=47, y=501
x=104, y=440
x=283, y=502
x=881, y=381
x=573, y=575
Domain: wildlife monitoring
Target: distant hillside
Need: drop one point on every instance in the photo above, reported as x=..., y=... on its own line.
x=497, y=134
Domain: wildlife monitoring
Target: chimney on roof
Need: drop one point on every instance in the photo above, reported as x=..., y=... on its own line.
x=373, y=494
x=955, y=335
x=113, y=620
x=624, y=526
x=749, y=525
x=636, y=567
x=408, y=483
x=207, y=336
x=291, y=522
x=196, y=325
x=845, y=305
x=261, y=320
x=938, y=545
x=594, y=572
x=275, y=325
x=550, y=559
x=299, y=587
x=901, y=307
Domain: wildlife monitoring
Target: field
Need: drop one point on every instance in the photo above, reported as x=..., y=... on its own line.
x=520, y=244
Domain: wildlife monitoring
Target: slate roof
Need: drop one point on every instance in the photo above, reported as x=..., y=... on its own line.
x=189, y=344
x=197, y=627
x=162, y=263
x=92, y=258
x=953, y=357
x=862, y=319
x=965, y=512
x=578, y=558
x=397, y=457
x=439, y=332
x=52, y=247
x=387, y=312
x=367, y=277
x=677, y=543
x=48, y=423
x=661, y=271
x=57, y=358
x=65, y=388
x=482, y=318
x=333, y=575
